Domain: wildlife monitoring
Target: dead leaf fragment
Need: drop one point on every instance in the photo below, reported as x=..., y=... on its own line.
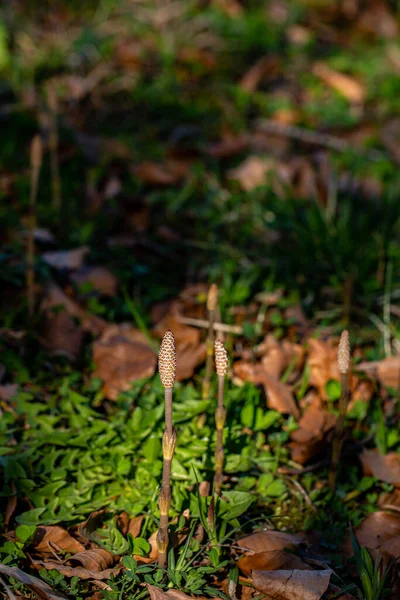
x=279, y=396
x=266, y=66
x=122, y=355
x=169, y=173
x=387, y=371
x=271, y=560
x=66, y=259
x=268, y=541
x=379, y=533
x=41, y=589
x=322, y=360
x=293, y=584
x=8, y=391
x=346, y=85
x=158, y=594
x=80, y=572
x=49, y=539
x=310, y=438
x=100, y=279
x=384, y=467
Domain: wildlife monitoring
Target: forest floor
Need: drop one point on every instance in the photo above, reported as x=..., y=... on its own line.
x=148, y=151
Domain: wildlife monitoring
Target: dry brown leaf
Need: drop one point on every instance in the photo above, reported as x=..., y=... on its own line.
x=135, y=525
x=292, y=585
x=80, y=572
x=268, y=541
x=11, y=505
x=387, y=371
x=277, y=356
x=53, y=539
x=266, y=66
x=158, y=594
x=390, y=501
x=122, y=355
x=271, y=560
x=348, y=86
x=379, y=533
x=384, y=467
x=63, y=336
x=8, y=391
x=101, y=280
x=310, y=438
x=66, y=259
x=230, y=145
x=96, y=559
x=378, y=20
x=39, y=587
x=322, y=360
x=55, y=298
x=169, y=173
x=94, y=521
x=279, y=397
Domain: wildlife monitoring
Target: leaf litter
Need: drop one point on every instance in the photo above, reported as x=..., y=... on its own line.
x=234, y=202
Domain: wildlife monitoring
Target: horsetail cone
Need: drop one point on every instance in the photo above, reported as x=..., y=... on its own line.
x=344, y=352
x=167, y=360
x=212, y=297
x=221, y=358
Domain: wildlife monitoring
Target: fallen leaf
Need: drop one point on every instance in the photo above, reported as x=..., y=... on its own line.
x=384, y=467
x=158, y=594
x=169, y=173
x=49, y=539
x=378, y=20
x=100, y=279
x=311, y=436
x=8, y=391
x=322, y=360
x=122, y=355
x=279, y=397
x=292, y=585
x=348, y=86
x=96, y=559
x=40, y=589
x=66, y=259
x=387, y=371
x=390, y=501
x=271, y=560
x=55, y=298
x=135, y=525
x=11, y=505
x=63, y=335
x=379, y=533
x=268, y=541
x=229, y=145
x=79, y=572
x=266, y=66
x=94, y=521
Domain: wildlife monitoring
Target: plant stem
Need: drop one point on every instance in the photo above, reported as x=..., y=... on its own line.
x=164, y=500
x=36, y=160
x=220, y=416
x=53, y=145
x=338, y=435
x=210, y=354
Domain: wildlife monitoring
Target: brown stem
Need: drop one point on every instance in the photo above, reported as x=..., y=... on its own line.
x=30, y=245
x=220, y=416
x=168, y=411
x=339, y=430
x=164, y=500
x=210, y=355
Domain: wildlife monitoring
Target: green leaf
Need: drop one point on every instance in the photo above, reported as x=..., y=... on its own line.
x=30, y=517
x=24, y=532
x=237, y=503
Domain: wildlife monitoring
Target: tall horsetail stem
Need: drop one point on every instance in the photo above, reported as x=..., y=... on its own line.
x=167, y=370
x=344, y=369
x=36, y=153
x=221, y=366
x=212, y=309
